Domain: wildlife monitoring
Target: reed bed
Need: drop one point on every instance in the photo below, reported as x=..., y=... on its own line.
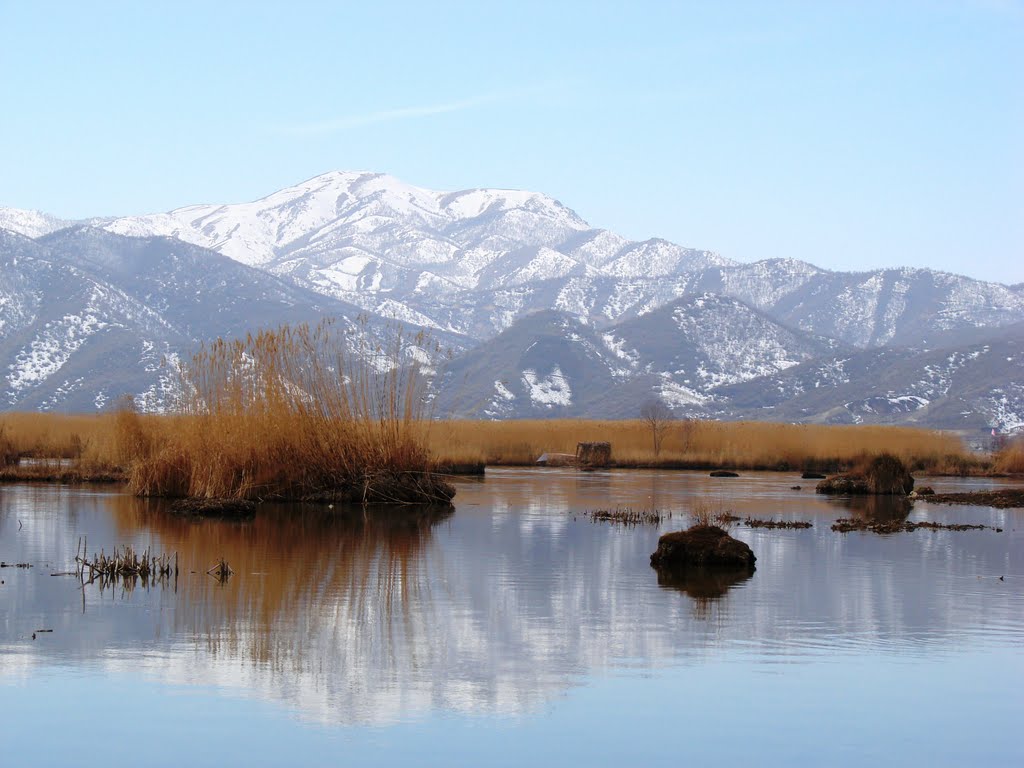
x=628, y=516
x=306, y=413
x=705, y=444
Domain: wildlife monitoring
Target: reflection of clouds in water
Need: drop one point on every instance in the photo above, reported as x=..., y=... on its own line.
x=353, y=618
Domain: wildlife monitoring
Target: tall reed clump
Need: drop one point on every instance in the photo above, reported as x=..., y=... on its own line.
x=1010, y=457
x=8, y=452
x=294, y=413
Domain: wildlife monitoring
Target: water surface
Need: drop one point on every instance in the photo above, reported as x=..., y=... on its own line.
x=513, y=630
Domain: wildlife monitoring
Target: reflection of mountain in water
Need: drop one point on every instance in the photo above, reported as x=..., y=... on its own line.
x=498, y=608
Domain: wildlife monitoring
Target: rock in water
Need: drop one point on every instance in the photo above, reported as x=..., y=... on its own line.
x=702, y=545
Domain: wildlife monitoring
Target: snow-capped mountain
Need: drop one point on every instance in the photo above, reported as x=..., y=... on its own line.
x=30, y=223
x=555, y=316
x=472, y=262
x=393, y=248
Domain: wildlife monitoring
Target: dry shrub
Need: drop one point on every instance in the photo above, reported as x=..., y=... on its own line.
x=296, y=413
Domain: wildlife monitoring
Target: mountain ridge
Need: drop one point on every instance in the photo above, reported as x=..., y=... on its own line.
x=487, y=270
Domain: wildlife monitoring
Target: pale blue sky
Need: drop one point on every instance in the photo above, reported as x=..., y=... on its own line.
x=848, y=134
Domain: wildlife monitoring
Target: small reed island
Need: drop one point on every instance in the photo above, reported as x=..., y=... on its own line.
x=704, y=545
x=292, y=414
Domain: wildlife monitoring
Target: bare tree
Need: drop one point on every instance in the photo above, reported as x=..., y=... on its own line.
x=658, y=417
x=686, y=430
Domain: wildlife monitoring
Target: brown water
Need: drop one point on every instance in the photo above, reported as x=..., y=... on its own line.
x=513, y=630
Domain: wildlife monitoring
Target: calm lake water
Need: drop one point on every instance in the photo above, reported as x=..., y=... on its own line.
x=513, y=631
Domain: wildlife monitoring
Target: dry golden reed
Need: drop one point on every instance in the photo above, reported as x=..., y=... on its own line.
x=740, y=445
x=294, y=413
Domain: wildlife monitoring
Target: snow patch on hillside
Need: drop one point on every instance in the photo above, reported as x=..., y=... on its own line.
x=548, y=391
x=47, y=353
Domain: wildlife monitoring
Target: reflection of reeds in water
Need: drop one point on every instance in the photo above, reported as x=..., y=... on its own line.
x=878, y=508
x=302, y=575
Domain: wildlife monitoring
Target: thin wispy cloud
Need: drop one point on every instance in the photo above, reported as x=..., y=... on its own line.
x=331, y=125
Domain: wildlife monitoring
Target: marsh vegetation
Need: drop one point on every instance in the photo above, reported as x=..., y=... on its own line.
x=298, y=414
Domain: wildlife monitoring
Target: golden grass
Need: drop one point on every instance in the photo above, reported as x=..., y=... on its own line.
x=295, y=447
x=738, y=445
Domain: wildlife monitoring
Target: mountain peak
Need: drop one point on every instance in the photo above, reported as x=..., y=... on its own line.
x=30, y=223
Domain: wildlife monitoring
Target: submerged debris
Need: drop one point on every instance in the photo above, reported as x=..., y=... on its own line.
x=221, y=571
x=628, y=516
x=15, y=565
x=772, y=523
x=846, y=524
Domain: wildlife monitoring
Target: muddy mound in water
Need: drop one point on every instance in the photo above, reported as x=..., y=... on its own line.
x=702, y=546
x=883, y=475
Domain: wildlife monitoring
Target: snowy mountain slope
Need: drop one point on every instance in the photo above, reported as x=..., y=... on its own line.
x=978, y=385
x=72, y=335
x=705, y=341
x=87, y=315
x=883, y=307
x=550, y=363
x=547, y=364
